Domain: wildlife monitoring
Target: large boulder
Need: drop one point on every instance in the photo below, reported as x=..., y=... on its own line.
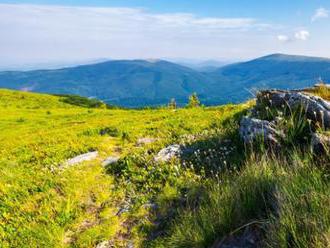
x=316, y=108
x=252, y=129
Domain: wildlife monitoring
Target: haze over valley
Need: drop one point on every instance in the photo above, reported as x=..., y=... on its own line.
x=138, y=83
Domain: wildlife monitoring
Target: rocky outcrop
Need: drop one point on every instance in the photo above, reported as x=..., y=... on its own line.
x=252, y=129
x=316, y=108
x=269, y=102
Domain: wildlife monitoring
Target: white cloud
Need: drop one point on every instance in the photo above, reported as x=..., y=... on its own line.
x=46, y=33
x=283, y=38
x=302, y=35
x=320, y=13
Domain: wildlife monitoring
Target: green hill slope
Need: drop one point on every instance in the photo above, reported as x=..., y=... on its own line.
x=128, y=83
x=273, y=71
x=136, y=83
x=220, y=191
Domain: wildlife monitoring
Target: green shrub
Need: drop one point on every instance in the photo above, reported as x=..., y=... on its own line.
x=172, y=104
x=193, y=101
x=83, y=101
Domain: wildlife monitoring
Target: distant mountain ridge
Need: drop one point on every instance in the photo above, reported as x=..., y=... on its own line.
x=136, y=83
x=273, y=71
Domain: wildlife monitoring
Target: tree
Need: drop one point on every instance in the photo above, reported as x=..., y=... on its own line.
x=193, y=101
x=172, y=104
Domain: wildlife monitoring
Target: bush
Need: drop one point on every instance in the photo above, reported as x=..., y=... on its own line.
x=172, y=104
x=83, y=101
x=193, y=101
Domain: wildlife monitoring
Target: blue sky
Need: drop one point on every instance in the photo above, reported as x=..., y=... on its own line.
x=36, y=31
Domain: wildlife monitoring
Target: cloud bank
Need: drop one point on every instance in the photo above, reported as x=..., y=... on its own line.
x=32, y=34
x=43, y=33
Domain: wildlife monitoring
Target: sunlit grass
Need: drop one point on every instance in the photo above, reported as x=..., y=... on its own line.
x=321, y=90
x=219, y=190
x=43, y=206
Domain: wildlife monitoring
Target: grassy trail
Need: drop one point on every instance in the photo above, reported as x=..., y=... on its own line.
x=43, y=206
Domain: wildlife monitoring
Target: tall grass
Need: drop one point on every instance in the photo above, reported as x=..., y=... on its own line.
x=286, y=199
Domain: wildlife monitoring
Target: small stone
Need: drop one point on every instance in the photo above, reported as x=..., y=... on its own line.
x=145, y=141
x=104, y=244
x=79, y=159
x=110, y=160
x=169, y=153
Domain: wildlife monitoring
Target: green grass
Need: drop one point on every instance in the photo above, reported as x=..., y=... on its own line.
x=283, y=199
x=221, y=189
x=42, y=205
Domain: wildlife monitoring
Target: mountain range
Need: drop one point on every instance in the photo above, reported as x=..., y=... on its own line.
x=137, y=83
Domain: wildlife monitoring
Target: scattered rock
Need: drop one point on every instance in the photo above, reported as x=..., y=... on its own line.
x=171, y=152
x=252, y=129
x=168, y=153
x=81, y=158
x=145, y=141
x=110, y=160
x=320, y=143
x=105, y=244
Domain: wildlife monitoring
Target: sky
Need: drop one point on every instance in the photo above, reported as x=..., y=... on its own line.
x=43, y=31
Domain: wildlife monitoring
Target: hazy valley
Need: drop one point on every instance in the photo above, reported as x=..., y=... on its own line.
x=140, y=83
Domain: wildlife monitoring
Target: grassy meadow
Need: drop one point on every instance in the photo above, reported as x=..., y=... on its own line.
x=223, y=189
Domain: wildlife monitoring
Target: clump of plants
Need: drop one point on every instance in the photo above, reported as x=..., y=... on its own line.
x=193, y=101
x=172, y=104
x=84, y=101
